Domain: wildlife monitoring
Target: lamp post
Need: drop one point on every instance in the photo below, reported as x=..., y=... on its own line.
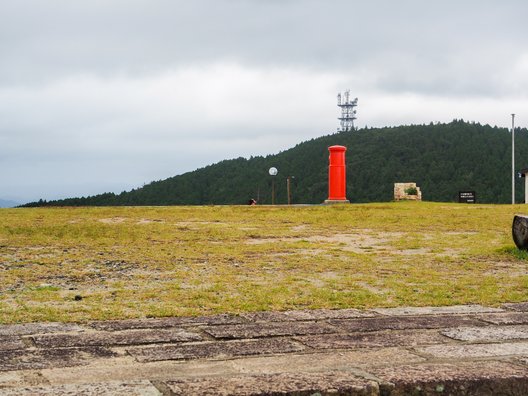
x=273, y=172
x=513, y=158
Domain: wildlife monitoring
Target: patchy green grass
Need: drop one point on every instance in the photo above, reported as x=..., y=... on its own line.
x=78, y=264
x=515, y=252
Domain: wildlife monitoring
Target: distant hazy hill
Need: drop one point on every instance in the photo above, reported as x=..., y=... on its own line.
x=4, y=203
x=441, y=158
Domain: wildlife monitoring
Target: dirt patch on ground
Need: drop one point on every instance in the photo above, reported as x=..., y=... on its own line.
x=312, y=252
x=357, y=242
x=365, y=241
x=301, y=227
x=113, y=220
x=370, y=288
x=408, y=252
x=509, y=267
x=323, y=277
x=150, y=221
x=190, y=223
x=461, y=233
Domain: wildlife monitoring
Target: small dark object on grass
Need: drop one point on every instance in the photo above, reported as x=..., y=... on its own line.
x=78, y=298
x=520, y=231
x=252, y=202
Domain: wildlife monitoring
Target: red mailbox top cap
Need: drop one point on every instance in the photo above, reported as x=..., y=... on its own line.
x=337, y=148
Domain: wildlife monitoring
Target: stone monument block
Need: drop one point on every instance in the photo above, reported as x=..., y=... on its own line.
x=407, y=191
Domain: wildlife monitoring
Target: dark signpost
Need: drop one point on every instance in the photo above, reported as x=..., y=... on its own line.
x=467, y=197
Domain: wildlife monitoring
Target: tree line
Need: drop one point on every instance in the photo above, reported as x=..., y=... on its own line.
x=442, y=158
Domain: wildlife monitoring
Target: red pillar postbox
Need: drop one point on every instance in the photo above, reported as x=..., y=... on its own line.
x=337, y=175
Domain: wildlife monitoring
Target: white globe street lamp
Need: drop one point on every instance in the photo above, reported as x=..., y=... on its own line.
x=273, y=172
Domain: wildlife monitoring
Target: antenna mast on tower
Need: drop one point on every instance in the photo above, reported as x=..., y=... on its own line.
x=348, y=114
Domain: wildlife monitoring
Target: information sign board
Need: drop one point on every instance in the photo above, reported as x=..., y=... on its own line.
x=467, y=197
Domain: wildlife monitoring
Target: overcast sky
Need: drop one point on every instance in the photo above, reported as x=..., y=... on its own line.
x=106, y=95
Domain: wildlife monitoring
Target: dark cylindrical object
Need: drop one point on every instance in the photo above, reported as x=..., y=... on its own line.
x=520, y=231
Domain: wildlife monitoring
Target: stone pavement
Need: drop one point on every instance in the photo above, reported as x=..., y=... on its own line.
x=469, y=350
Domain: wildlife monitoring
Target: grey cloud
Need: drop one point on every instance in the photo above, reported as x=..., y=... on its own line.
x=140, y=37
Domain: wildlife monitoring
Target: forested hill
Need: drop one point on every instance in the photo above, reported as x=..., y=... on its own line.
x=441, y=158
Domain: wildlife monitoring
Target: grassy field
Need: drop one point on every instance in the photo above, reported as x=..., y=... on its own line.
x=79, y=264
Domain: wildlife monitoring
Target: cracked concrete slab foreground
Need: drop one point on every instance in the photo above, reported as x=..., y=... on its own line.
x=135, y=388
x=337, y=383
x=470, y=350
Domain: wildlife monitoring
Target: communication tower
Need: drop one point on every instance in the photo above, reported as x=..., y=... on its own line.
x=348, y=114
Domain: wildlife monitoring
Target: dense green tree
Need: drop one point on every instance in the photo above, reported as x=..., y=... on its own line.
x=441, y=158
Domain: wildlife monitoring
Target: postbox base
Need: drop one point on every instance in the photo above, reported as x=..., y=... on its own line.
x=336, y=201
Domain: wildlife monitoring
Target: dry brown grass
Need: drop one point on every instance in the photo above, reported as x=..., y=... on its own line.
x=159, y=261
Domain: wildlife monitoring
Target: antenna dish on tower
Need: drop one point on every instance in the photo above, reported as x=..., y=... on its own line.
x=348, y=113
